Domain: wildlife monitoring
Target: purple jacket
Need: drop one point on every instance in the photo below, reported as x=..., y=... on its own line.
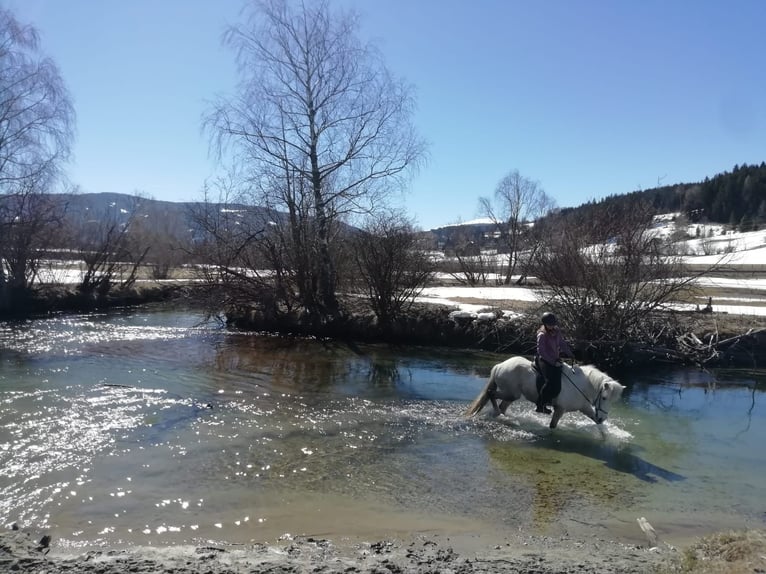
x=551, y=345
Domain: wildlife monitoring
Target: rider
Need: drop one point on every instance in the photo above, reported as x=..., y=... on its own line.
x=550, y=348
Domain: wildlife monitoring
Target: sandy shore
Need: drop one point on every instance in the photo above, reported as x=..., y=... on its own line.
x=29, y=552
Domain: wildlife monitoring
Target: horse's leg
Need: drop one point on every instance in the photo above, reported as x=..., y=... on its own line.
x=504, y=405
x=589, y=412
x=558, y=412
x=493, y=400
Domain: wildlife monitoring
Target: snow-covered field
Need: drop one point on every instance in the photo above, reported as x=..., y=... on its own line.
x=738, y=253
x=454, y=296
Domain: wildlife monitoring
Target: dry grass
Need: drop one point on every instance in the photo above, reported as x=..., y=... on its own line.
x=723, y=553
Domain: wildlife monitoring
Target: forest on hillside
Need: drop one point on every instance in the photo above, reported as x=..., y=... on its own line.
x=736, y=198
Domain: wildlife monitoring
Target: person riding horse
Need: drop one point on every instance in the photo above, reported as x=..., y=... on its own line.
x=551, y=346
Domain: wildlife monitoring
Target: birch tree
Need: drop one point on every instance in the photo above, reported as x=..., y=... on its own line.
x=518, y=202
x=318, y=123
x=36, y=119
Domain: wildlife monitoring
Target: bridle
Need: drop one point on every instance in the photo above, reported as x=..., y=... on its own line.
x=595, y=403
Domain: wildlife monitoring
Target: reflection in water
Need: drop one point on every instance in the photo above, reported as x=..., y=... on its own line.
x=151, y=427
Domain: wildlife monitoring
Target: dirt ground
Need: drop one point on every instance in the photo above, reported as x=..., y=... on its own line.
x=28, y=552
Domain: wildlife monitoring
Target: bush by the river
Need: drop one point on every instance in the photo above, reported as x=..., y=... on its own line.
x=718, y=341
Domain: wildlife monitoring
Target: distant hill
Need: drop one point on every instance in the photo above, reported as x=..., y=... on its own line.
x=84, y=207
x=178, y=219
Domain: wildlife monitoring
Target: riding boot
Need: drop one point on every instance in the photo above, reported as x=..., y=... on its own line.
x=541, y=408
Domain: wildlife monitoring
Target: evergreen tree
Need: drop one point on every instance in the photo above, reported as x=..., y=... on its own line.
x=723, y=198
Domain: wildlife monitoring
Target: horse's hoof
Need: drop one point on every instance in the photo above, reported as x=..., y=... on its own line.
x=552, y=425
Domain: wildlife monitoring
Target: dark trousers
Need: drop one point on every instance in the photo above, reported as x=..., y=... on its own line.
x=552, y=387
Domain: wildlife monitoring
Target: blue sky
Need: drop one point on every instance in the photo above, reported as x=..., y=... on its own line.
x=588, y=97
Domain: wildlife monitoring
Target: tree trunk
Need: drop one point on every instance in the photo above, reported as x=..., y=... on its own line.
x=327, y=276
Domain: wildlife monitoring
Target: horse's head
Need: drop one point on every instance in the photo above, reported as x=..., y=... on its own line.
x=609, y=390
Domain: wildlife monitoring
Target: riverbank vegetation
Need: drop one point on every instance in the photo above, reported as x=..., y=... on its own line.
x=738, y=552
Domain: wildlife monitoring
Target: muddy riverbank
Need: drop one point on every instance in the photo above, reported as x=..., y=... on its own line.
x=23, y=552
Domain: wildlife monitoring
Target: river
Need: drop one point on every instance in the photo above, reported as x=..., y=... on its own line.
x=155, y=427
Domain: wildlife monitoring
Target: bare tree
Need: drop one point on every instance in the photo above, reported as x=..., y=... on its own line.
x=475, y=268
x=111, y=250
x=466, y=257
x=606, y=273
x=318, y=123
x=472, y=265
x=518, y=202
x=29, y=220
x=36, y=118
x=392, y=264
x=168, y=237
x=239, y=267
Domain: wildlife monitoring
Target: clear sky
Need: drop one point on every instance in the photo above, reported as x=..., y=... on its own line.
x=588, y=97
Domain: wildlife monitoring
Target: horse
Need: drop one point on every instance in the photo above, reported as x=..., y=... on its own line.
x=583, y=388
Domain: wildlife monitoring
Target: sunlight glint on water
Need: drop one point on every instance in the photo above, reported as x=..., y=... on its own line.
x=150, y=427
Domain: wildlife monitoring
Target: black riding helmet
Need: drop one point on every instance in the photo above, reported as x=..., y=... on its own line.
x=549, y=319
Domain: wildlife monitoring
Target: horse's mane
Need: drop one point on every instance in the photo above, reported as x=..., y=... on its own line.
x=594, y=374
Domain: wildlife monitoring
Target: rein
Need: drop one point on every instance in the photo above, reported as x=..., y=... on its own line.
x=595, y=403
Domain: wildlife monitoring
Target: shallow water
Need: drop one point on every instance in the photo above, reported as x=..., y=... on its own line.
x=151, y=427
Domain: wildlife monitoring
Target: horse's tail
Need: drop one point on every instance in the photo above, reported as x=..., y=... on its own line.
x=484, y=396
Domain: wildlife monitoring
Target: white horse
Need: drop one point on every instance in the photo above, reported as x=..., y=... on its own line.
x=583, y=388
